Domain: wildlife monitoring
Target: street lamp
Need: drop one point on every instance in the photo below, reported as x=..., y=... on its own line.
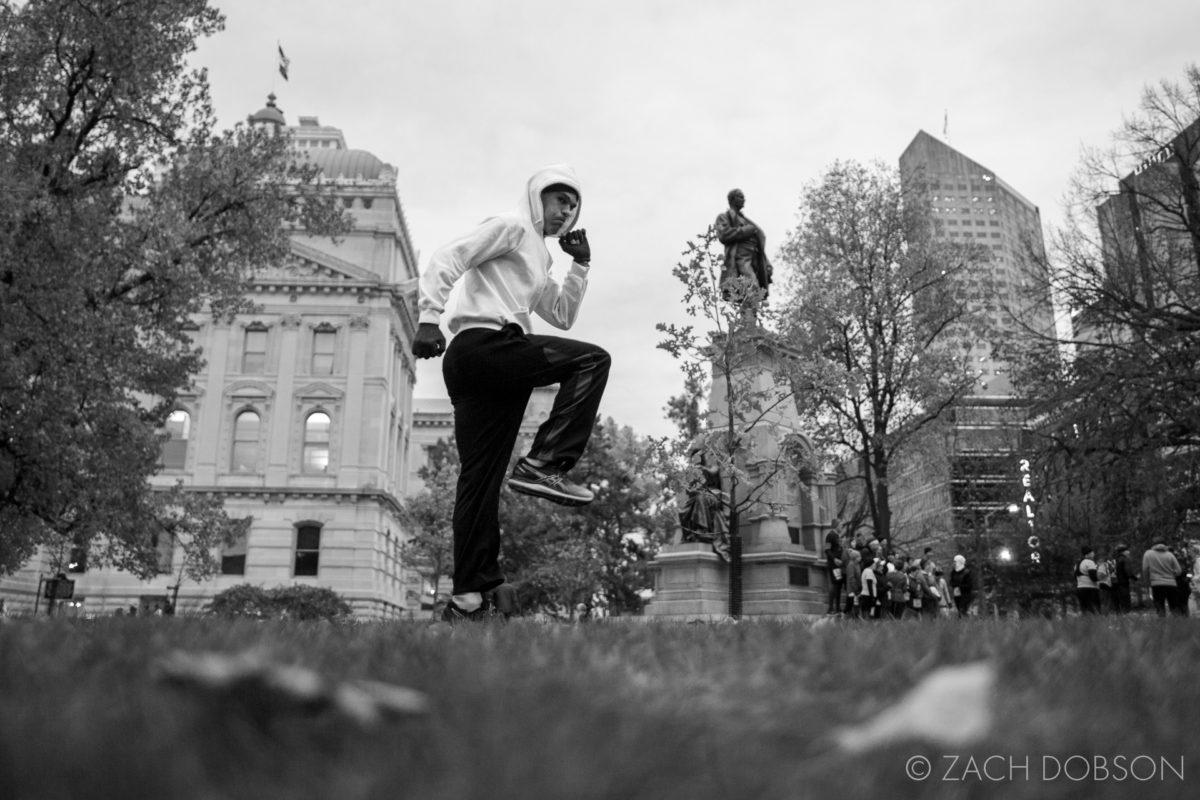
x=1011, y=508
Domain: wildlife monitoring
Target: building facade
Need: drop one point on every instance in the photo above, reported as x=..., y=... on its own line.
x=954, y=491
x=301, y=417
x=1149, y=235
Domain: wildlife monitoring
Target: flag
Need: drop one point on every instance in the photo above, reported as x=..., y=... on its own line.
x=283, y=63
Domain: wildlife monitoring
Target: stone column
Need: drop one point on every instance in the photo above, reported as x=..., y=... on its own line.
x=281, y=421
x=208, y=427
x=350, y=474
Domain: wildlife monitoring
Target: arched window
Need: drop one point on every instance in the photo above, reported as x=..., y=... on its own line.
x=245, y=443
x=316, y=442
x=174, y=452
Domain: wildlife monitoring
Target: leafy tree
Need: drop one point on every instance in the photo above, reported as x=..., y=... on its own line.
x=738, y=341
x=877, y=312
x=686, y=410
x=193, y=524
x=429, y=516
x=124, y=213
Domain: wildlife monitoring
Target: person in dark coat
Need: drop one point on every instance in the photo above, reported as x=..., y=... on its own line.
x=835, y=571
x=1122, y=577
x=897, y=591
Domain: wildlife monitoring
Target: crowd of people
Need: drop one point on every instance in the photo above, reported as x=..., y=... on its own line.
x=1172, y=576
x=866, y=581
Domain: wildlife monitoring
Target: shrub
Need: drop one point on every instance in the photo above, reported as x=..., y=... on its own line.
x=292, y=602
x=309, y=602
x=242, y=601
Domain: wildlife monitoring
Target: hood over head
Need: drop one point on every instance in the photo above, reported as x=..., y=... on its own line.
x=531, y=204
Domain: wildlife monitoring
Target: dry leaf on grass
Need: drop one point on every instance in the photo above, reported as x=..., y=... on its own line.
x=252, y=677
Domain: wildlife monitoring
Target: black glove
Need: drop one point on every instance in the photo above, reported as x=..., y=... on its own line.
x=575, y=244
x=429, y=342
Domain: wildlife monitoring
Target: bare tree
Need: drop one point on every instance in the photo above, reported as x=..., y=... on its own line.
x=1126, y=263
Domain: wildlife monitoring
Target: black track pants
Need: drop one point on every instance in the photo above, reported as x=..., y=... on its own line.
x=490, y=376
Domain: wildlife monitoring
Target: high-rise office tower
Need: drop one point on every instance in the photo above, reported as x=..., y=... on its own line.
x=967, y=478
x=973, y=205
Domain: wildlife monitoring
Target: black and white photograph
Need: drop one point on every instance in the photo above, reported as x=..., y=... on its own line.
x=663, y=399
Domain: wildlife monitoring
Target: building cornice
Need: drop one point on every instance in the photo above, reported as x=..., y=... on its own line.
x=277, y=494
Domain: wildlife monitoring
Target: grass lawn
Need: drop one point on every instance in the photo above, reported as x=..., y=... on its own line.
x=603, y=710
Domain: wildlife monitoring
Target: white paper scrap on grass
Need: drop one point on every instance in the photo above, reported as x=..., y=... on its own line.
x=951, y=706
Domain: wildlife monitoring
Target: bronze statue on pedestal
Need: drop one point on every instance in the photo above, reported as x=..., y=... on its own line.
x=745, y=246
x=703, y=517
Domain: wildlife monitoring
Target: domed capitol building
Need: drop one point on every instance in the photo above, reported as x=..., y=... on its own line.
x=302, y=417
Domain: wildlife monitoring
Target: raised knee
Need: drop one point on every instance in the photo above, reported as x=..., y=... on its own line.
x=603, y=359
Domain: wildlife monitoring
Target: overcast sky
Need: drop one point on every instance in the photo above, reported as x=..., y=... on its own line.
x=665, y=105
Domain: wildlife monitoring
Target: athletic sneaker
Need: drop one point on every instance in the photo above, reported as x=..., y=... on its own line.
x=547, y=483
x=453, y=614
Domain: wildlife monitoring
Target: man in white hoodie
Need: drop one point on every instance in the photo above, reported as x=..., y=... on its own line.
x=494, y=362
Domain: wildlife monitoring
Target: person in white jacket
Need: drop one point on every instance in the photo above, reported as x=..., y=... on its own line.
x=494, y=361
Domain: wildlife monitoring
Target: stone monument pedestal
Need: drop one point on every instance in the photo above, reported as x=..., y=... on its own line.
x=780, y=579
x=783, y=526
x=690, y=582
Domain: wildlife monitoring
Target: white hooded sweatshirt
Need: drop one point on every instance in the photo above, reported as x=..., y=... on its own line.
x=505, y=267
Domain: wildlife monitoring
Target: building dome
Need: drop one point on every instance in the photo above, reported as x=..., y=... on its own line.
x=347, y=164
x=270, y=113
